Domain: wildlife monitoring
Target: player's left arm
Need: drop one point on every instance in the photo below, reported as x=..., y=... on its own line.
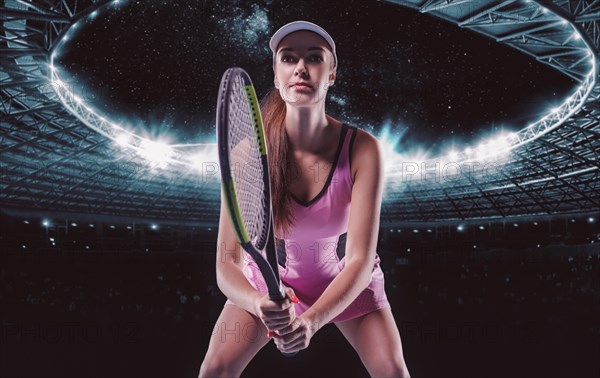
x=363, y=229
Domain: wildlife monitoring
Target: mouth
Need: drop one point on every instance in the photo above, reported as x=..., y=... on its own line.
x=301, y=85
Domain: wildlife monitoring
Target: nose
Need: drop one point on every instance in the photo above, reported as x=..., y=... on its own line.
x=301, y=69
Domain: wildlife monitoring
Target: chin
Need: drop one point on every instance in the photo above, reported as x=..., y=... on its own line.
x=304, y=98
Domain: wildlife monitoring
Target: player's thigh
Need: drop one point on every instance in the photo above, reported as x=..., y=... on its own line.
x=236, y=338
x=376, y=339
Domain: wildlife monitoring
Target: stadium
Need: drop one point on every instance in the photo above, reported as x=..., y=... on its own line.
x=108, y=236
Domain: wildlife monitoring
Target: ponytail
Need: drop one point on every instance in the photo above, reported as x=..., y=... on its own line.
x=273, y=111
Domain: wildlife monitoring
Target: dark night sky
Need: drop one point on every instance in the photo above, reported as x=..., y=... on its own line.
x=158, y=64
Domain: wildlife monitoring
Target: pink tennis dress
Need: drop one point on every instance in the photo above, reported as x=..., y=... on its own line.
x=313, y=253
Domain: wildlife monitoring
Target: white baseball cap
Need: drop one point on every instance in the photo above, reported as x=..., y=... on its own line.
x=296, y=26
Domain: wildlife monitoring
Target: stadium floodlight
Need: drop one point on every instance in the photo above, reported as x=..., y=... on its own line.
x=156, y=153
x=482, y=151
x=460, y=227
x=154, y=226
x=123, y=139
x=46, y=223
x=73, y=224
x=591, y=220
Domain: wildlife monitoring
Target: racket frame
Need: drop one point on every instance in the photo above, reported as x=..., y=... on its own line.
x=268, y=267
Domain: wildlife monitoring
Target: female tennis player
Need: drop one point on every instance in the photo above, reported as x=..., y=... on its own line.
x=326, y=184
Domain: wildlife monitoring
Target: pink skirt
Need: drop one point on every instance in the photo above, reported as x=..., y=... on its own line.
x=372, y=298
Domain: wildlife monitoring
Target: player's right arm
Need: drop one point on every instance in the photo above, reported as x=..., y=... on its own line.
x=234, y=284
x=230, y=277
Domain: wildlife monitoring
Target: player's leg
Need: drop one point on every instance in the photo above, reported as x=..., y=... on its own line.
x=236, y=338
x=376, y=339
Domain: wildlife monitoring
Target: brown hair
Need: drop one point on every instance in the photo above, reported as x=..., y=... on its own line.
x=273, y=110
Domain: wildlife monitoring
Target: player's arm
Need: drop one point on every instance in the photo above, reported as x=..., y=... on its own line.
x=230, y=277
x=363, y=228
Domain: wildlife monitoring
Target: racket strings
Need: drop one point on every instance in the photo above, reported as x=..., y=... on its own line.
x=247, y=168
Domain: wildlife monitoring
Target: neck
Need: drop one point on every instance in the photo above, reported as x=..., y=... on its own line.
x=307, y=127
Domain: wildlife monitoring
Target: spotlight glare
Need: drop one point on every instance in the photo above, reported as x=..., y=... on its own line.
x=481, y=151
x=591, y=220
x=460, y=227
x=155, y=152
x=59, y=82
x=77, y=99
x=576, y=36
x=122, y=140
x=198, y=161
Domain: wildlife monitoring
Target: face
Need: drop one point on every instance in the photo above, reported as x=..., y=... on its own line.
x=303, y=56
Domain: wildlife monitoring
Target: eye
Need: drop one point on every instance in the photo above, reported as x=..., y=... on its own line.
x=316, y=58
x=287, y=58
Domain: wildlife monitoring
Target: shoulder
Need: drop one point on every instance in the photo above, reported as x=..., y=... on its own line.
x=365, y=152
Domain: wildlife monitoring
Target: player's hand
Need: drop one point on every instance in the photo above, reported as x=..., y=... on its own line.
x=296, y=336
x=276, y=315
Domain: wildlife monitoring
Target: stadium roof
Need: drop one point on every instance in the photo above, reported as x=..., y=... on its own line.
x=58, y=156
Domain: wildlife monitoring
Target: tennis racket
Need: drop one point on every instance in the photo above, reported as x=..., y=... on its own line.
x=245, y=174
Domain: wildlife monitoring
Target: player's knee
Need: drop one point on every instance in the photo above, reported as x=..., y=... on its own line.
x=390, y=368
x=217, y=367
